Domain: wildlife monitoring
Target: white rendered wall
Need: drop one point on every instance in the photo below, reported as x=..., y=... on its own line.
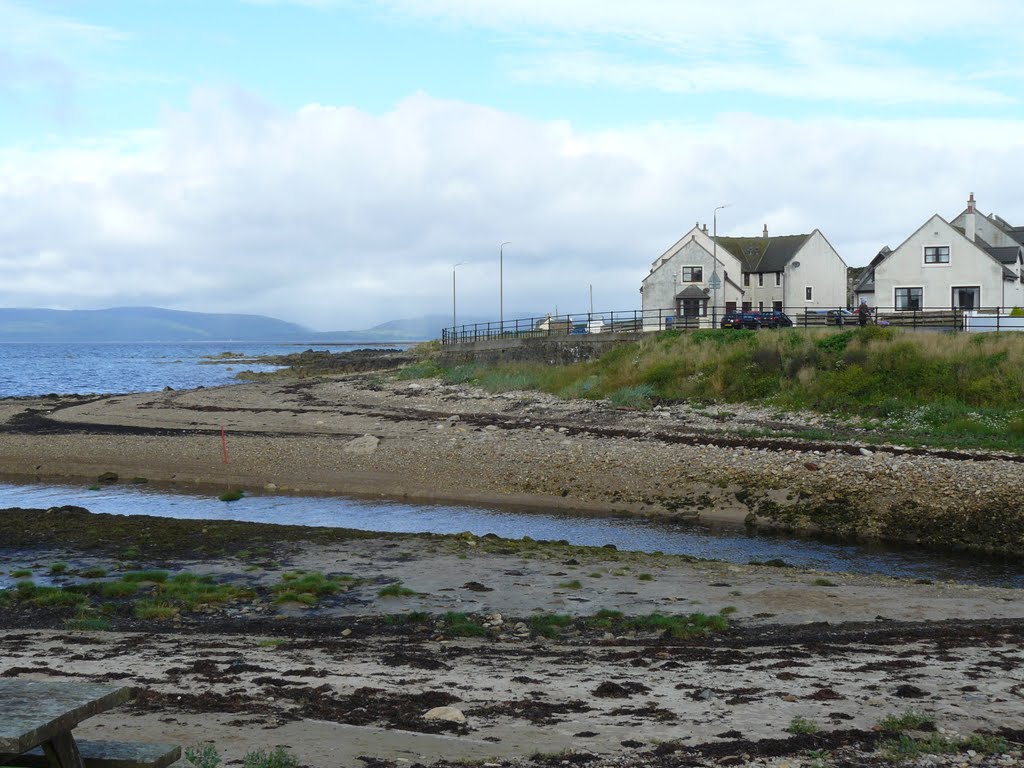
x=820, y=268
x=968, y=266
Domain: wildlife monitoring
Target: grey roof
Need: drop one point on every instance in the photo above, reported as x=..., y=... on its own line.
x=867, y=279
x=764, y=254
x=691, y=292
x=1017, y=233
x=1005, y=255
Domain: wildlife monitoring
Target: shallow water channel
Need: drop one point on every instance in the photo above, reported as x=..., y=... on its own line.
x=728, y=543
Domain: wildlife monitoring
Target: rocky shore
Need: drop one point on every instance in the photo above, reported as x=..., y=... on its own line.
x=444, y=651
x=375, y=434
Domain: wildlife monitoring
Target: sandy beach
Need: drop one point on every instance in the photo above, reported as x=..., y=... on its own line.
x=375, y=435
x=347, y=679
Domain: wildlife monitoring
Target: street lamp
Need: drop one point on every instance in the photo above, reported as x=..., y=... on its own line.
x=715, y=279
x=501, y=284
x=454, y=333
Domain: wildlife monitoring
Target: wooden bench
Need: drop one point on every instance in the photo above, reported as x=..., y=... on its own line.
x=107, y=754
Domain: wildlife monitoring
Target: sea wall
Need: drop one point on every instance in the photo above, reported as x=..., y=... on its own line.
x=554, y=350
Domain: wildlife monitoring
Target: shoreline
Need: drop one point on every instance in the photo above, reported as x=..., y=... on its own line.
x=348, y=678
x=372, y=436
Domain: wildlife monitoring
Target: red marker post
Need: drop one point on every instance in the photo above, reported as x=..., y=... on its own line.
x=224, y=443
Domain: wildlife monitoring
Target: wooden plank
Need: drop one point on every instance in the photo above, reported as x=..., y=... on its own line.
x=108, y=754
x=35, y=711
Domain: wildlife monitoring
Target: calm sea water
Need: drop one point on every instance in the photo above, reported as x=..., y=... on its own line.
x=41, y=369
x=729, y=544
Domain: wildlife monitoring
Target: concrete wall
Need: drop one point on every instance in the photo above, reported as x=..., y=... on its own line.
x=554, y=350
x=822, y=269
x=968, y=266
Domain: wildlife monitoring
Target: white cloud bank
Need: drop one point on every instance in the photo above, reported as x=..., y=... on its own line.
x=337, y=218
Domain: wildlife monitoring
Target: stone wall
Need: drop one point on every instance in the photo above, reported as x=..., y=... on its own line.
x=554, y=350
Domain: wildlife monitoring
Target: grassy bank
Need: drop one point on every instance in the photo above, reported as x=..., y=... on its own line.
x=963, y=389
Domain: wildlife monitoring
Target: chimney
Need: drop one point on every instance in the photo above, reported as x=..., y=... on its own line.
x=705, y=228
x=970, y=224
x=765, y=233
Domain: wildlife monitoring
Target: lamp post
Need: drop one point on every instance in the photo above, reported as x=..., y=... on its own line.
x=715, y=279
x=501, y=285
x=454, y=332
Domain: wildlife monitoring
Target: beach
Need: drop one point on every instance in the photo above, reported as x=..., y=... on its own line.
x=424, y=440
x=552, y=654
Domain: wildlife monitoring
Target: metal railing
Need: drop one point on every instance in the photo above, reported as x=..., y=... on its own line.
x=638, y=320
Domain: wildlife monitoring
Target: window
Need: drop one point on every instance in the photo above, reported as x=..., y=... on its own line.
x=778, y=278
x=760, y=306
x=746, y=306
x=730, y=306
x=760, y=279
x=777, y=306
x=966, y=297
x=909, y=298
x=693, y=274
x=746, y=278
x=809, y=293
x=936, y=254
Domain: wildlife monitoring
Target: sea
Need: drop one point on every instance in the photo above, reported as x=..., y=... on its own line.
x=33, y=369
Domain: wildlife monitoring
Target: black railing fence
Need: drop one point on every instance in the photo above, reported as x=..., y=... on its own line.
x=638, y=320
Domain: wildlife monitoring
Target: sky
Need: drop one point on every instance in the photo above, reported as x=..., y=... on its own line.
x=329, y=162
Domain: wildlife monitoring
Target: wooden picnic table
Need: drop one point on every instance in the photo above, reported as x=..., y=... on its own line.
x=43, y=713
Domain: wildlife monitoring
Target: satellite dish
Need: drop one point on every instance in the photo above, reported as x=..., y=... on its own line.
x=796, y=264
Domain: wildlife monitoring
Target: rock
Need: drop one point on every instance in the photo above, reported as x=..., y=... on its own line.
x=453, y=419
x=107, y=478
x=447, y=714
x=811, y=466
x=346, y=632
x=362, y=446
x=271, y=487
x=866, y=452
x=491, y=428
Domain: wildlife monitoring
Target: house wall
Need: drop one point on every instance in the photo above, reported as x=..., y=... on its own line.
x=968, y=266
x=660, y=286
x=822, y=269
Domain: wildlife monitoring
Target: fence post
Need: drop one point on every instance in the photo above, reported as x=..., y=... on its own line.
x=999, y=311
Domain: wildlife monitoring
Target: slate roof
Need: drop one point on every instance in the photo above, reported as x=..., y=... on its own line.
x=764, y=254
x=691, y=292
x=1005, y=255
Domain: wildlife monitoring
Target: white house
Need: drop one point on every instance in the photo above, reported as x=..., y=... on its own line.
x=792, y=273
x=971, y=262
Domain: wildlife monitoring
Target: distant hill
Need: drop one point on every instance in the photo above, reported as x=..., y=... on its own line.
x=151, y=324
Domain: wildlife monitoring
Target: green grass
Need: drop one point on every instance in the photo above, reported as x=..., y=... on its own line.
x=907, y=748
x=231, y=496
x=823, y=583
x=677, y=626
x=94, y=572
x=645, y=577
x=802, y=726
x=461, y=625
x=278, y=758
x=155, y=610
x=395, y=590
x=308, y=588
x=88, y=623
x=911, y=720
x=573, y=584
x=932, y=388
x=144, y=575
x=21, y=573
x=549, y=624
x=58, y=568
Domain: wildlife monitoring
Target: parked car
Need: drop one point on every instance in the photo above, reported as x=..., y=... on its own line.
x=775, y=318
x=840, y=317
x=732, y=320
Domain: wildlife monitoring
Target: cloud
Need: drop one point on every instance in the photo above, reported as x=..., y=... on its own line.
x=338, y=218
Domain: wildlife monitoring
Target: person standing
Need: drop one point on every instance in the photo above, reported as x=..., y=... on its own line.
x=862, y=313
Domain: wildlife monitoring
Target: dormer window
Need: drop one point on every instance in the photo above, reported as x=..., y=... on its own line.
x=936, y=254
